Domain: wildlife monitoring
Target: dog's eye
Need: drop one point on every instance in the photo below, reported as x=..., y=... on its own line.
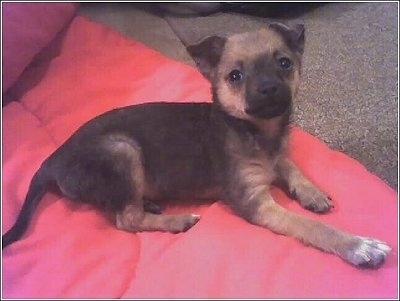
x=235, y=76
x=285, y=63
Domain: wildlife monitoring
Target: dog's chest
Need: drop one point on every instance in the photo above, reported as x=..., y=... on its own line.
x=265, y=150
x=252, y=157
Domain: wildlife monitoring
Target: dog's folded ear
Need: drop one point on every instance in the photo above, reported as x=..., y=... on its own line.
x=207, y=54
x=294, y=36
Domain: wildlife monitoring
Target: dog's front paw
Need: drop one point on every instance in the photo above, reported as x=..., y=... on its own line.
x=366, y=252
x=311, y=198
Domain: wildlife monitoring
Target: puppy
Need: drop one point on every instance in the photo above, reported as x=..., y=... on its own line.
x=232, y=149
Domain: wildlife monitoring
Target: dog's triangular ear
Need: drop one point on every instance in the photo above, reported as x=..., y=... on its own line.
x=294, y=36
x=207, y=54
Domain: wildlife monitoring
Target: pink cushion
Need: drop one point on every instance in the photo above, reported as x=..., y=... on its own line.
x=27, y=29
x=72, y=251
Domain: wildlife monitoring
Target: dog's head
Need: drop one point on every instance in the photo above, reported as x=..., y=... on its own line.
x=254, y=75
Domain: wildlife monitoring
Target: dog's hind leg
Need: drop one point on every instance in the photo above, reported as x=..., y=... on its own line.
x=143, y=215
x=133, y=218
x=151, y=207
x=139, y=214
x=110, y=174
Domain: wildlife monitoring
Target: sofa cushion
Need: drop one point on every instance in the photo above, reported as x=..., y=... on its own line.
x=27, y=29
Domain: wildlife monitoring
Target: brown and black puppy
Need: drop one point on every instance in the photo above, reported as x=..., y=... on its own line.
x=232, y=149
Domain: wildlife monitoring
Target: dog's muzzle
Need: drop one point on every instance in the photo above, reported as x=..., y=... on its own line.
x=270, y=99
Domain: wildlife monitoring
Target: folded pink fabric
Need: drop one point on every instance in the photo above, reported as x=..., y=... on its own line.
x=27, y=29
x=72, y=251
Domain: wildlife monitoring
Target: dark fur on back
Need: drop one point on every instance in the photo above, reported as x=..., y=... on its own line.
x=176, y=155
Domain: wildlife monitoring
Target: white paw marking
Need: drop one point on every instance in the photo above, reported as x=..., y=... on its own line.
x=370, y=251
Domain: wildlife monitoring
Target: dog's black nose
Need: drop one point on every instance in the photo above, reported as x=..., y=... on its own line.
x=269, y=88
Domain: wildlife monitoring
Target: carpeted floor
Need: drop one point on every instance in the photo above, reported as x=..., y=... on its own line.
x=349, y=92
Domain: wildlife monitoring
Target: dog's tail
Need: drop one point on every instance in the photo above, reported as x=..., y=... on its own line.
x=37, y=189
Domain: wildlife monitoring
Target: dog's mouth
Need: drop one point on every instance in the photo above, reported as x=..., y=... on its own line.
x=266, y=111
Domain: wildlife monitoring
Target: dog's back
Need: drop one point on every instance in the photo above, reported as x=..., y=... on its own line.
x=173, y=148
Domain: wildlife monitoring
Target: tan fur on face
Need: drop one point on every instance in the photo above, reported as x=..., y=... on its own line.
x=241, y=50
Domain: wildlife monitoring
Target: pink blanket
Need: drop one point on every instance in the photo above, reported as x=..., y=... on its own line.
x=72, y=251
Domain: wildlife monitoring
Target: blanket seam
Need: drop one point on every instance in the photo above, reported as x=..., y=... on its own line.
x=41, y=123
